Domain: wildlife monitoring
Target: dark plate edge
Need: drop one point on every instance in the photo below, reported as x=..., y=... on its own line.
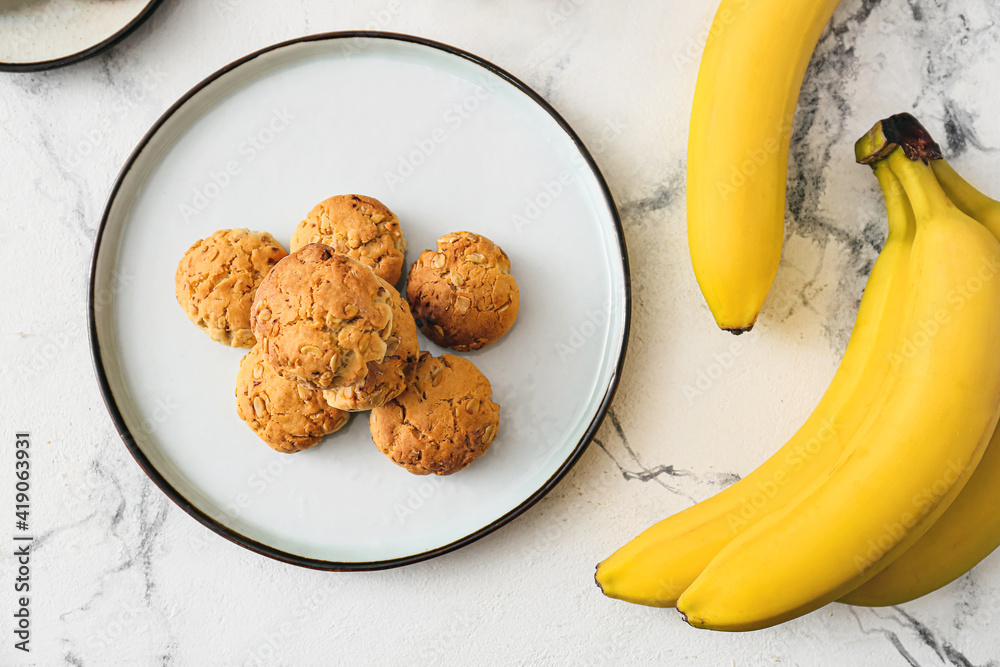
x=89, y=52
x=312, y=563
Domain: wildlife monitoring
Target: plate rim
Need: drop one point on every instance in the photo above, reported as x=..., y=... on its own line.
x=315, y=563
x=90, y=51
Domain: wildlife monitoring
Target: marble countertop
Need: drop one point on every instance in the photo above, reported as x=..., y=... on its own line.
x=121, y=576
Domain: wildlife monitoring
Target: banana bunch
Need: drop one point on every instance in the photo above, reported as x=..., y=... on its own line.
x=755, y=58
x=888, y=491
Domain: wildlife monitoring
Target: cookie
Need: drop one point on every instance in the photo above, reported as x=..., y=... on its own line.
x=217, y=278
x=320, y=318
x=386, y=379
x=463, y=295
x=361, y=228
x=444, y=420
x=286, y=415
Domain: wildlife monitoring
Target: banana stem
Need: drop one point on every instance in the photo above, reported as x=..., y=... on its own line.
x=901, y=142
x=900, y=131
x=968, y=199
x=904, y=134
x=962, y=193
x=900, y=213
x=922, y=188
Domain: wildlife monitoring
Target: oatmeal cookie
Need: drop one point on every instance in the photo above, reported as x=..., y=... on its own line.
x=320, y=318
x=361, y=228
x=386, y=379
x=444, y=420
x=463, y=295
x=217, y=278
x=286, y=415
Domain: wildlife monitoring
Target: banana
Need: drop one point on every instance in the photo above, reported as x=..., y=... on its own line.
x=915, y=450
x=968, y=199
x=658, y=565
x=741, y=122
x=966, y=533
x=969, y=530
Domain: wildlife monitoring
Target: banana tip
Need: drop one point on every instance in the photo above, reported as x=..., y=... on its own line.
x=738, y=331
x=693, y=621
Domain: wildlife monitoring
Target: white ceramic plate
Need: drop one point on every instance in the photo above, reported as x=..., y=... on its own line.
x=41, y=34
x=449, y=142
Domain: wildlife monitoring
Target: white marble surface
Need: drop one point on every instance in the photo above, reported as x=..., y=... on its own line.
x=123, y=577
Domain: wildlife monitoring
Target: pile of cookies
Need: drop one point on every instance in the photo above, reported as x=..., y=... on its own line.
x=329, y=334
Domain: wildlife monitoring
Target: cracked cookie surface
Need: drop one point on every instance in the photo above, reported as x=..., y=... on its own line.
x=362, y=228
x=444, y=420
x=286, y=415
x=463, y=295
x=386, y=379
x=217, y=278
x=321, y=317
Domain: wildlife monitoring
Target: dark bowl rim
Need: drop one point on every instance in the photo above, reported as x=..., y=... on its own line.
x=90, y=51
